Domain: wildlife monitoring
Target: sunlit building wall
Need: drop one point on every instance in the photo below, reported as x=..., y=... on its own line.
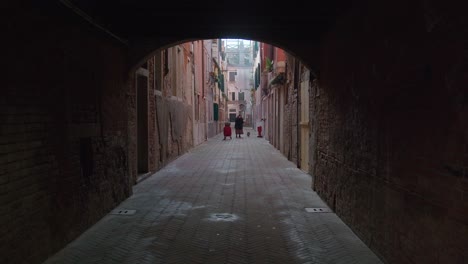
x=240, y=82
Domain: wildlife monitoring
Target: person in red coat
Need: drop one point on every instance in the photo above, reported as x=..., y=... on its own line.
x=227, y=130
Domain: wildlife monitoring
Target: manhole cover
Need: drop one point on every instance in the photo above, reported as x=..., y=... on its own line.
x=223, y=217
x=318, y=210
x=123, y=212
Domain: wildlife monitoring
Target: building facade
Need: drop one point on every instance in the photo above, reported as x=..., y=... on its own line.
x=281, y=99
x=178, y=105
x=240, y=82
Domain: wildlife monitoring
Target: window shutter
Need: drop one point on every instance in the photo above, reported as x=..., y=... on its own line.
x=216, y=112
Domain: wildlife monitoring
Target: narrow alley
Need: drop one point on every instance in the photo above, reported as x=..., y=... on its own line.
x=112, y=116
x=233, y=201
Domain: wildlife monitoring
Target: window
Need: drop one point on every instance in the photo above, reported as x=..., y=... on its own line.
x=233, y=96
x=197, y=107
x=232, y=117
x=216, y=112
x=241, y=96
x=157, y=71
x=232, y=76
x=165, y=62
x=233, y=59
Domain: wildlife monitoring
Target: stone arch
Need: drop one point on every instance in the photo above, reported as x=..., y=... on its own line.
x=141, y=50
x=394, y=100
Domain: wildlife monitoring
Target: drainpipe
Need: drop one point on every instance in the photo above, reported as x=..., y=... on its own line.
x=205, y=118
x=194, y=90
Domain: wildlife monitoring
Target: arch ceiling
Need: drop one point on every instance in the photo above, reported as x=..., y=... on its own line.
x=297, y=26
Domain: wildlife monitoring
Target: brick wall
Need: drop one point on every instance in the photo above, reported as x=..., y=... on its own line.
x=153, y=143
x=63, y=160
x=392, y=133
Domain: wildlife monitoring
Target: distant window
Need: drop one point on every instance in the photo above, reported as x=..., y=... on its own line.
x=233, y=59
x=232, y=110
x=157, y=71
x=232, y=117
x=241, y=96
x=166, y=62
x=232, y=76
x=233, y=96
x=216, y=112
x=197, y=107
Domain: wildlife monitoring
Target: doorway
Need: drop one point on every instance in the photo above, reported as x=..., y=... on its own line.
x=142, y=120
x=304, y=123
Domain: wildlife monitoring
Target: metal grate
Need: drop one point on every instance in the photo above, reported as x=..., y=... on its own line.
x=318, y=210
x=123, y=212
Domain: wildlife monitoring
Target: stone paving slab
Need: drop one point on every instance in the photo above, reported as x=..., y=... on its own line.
x=232, y=201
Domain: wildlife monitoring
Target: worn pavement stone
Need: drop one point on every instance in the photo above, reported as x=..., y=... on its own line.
x=232, y=201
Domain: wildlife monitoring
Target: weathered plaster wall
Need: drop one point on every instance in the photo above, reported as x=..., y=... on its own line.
x=170, y=116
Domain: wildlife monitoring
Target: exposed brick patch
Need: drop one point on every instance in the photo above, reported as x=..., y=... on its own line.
x=63, y=158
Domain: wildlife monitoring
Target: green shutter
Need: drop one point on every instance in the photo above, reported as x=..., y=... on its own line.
x=221, y=82
x=216, y=112
x=257, y=77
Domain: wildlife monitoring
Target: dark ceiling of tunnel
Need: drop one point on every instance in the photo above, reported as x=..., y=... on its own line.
x=294, y=19
x=297, y=26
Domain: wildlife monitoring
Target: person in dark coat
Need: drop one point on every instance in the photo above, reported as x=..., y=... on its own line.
x=239, y=126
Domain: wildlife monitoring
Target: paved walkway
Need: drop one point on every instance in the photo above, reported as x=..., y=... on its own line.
x=233, y=201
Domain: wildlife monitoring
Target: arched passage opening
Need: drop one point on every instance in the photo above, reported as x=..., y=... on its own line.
x=216, y=80
x=390, y=109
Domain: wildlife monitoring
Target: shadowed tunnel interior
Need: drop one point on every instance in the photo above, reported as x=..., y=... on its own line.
x=388, y=113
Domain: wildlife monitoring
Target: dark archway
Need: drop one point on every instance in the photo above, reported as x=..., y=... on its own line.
x=391, y=112
x=297, y=27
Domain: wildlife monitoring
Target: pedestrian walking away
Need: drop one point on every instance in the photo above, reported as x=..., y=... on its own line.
x=239, y=126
